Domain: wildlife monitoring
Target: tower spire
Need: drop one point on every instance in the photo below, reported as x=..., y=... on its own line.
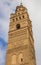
x=21, y=2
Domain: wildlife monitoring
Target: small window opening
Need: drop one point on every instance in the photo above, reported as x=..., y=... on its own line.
x=18, y=26
x=19, y=17
x=23, y=16
x=21, y=59
x=13, y=19
x=18, y=13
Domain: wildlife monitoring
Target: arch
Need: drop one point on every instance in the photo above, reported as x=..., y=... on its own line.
x=18, y=26
x=13, y=59
x=20, y=58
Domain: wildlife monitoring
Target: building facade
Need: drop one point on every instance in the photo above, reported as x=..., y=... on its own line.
x=20, y=49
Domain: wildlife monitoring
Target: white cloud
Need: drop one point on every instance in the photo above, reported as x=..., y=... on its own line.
x=2, y=56
x=4, y=29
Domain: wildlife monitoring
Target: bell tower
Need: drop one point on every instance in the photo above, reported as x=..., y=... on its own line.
x=20, y=50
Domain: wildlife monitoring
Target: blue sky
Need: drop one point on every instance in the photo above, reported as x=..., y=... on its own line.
x=34, y=10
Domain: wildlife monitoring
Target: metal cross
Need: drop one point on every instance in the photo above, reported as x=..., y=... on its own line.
x=21, y=2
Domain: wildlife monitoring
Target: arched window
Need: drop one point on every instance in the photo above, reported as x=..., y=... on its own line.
x=13, y=20
x=20, y=18
x=20, y=58
x=13, y=60
x=18, y=26
x=16, y=19
x=23, y=16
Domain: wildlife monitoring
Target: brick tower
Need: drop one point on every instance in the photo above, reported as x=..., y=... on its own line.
x=20, y=49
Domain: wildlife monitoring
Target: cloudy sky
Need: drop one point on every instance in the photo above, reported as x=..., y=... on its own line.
x=34, y=10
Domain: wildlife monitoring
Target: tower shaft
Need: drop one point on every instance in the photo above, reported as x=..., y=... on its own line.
x=20, y=49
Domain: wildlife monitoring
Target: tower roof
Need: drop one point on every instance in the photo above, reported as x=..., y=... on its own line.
x=20, y=7
x=19, y=10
